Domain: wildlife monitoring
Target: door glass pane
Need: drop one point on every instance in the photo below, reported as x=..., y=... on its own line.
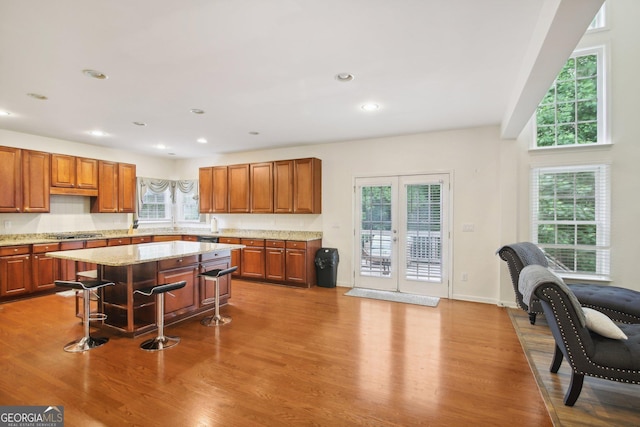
x=375, y=226
x=424, y=232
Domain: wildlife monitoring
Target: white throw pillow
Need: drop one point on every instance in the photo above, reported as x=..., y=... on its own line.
x=600, y=323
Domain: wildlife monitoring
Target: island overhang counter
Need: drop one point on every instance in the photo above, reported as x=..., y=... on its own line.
x=136, y=266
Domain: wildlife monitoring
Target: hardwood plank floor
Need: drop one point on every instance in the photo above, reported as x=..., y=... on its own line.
x=290, y=357
x=602, y=403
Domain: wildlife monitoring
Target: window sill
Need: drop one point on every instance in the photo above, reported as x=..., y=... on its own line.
x=571, y=278
x=584, y=147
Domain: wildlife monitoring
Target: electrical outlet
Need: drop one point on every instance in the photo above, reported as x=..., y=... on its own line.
x=7, y=225
x=468, y=228
x=464, y=277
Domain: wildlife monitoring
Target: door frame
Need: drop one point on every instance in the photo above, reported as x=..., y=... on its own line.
x=449, y=218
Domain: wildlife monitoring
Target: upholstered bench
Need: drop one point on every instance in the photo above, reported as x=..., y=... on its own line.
x=620, y=304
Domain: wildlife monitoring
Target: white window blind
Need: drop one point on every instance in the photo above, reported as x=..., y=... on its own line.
x=571, y=218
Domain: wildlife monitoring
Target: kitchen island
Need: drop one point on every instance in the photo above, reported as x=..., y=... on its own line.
x=140, y=265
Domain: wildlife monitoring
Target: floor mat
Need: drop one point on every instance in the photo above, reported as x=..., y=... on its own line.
x=394, y=297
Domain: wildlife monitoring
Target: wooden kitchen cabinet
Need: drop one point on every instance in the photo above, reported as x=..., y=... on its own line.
x=283, y=186
x=11, y=179
x=236, y=254
x=116, y=188
x=252, y=264
x=67, y=269
x=184, y=299
x=307, y=186
x=36, y=181
x=45, y=270
x=261, y=186
x=207, y=287
x=74, y=175
x=300, y=262
x=275, y=260
x=239, y=188
x=15, y=270
x=213, y=189
x=119, y=241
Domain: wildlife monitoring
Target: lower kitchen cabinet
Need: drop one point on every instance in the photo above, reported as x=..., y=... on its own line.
x=252, y=258
x=274, y=260
x=45, y=270
x=183, y=299
x=15, y=270
x=236, y=254
x=207, y=287
x=300, y=262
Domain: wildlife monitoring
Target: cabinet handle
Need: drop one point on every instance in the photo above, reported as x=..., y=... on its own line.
x=180, y=260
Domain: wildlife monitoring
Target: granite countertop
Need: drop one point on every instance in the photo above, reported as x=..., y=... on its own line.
x=26, y=239
x=118, y=256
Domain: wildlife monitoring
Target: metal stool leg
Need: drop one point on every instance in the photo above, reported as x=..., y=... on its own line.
x=87, y=342
x=216, y=319
x=161, y=341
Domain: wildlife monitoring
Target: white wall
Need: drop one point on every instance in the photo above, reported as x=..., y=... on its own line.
x=471, y=156
x=621, y=39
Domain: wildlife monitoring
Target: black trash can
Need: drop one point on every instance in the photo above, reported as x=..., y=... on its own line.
x=327, y=267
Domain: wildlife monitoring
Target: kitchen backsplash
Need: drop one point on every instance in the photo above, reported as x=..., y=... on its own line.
x=72, y=214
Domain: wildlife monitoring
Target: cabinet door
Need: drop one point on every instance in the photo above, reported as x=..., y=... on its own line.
x=67, y=268
x=283, y=186
x=184, y=299
x=63, y=171
x=126, y=188
x=296, y=270
x=239, y=189
x=207, y=286
x=220, y=200
x=274, y=264
x=307, y=186
x=205, y=189
x=107, y=200
x=261, y=186
x=11, y=179
x=15, y=275
x=36, y=178
x=236, y=254
x=44, y=272
x=252, y=264
x=86, y=173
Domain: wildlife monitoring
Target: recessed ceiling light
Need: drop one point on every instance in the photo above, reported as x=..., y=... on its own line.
x=254, y=133
x=197, y=111
x=94, y=74
x=161, y=147
x=370, y=106
x=202, y=140
x=139, y=123
x=344, y=77
x=98, y=133
x=5, y=113
x=38, y=96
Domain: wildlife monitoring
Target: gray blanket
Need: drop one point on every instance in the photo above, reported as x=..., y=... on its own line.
x=528, y=253
x=533, y=276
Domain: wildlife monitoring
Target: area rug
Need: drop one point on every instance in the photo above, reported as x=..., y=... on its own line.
x=601, y=403
x=394, y=297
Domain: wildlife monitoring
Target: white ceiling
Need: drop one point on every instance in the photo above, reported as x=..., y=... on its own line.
x=269, y=66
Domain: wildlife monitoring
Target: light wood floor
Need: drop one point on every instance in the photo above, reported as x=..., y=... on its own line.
x=290, y=357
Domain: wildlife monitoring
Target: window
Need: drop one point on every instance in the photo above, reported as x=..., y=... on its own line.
x=570, y=218
x=572, y=111
x=165, y=200
x=599, y=21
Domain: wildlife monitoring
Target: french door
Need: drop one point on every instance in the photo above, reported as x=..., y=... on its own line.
x=402, y=234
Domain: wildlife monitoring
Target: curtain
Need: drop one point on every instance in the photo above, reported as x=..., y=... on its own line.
x=156, y=185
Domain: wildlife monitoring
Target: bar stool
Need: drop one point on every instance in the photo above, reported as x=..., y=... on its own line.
x=87, y=287
x=215, y=276
x=161, y=341
x=81, y=276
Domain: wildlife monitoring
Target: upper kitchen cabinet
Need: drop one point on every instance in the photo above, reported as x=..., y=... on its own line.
x=261, y=186
x=283, y=186
x=74, y=175
x=11, y=178
x=307, y=186
x=213, y=189
x=116, y=188
x=36, y=180
x=25, y=180
x=239, y=188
